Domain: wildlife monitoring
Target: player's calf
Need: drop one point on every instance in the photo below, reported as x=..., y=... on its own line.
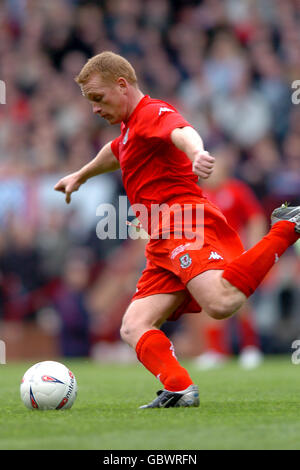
x=227, y=301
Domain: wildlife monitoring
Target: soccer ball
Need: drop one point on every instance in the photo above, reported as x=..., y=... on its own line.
x=48, y=385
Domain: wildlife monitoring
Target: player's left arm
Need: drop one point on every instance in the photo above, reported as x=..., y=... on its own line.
x=189, y=141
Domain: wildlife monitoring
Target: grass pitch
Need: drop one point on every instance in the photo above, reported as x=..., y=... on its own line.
x=257, y=409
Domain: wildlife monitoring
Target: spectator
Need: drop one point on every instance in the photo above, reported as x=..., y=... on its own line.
x=71, y=306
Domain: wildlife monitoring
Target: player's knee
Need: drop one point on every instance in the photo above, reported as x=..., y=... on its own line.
x=223, y=308
x=126, y=331
x=130, y=330
x=219, y=314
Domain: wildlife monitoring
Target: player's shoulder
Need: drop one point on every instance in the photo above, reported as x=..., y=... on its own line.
x=155, y=107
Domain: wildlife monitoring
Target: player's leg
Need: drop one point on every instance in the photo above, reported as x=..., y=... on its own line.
x=148, y=313
x=222, y=292
x=250, y=354
x=217, y=297
x=217, y=345
x=140, y=329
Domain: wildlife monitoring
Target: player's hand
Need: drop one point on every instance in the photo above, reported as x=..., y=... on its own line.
x=203, y=164
x=69, y=184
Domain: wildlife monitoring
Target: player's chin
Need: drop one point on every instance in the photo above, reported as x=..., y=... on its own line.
x=113, y=120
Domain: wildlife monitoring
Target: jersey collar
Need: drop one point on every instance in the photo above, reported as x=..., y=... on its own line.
x=140, y=104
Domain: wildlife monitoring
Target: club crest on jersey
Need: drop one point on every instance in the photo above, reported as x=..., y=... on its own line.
x=185, y=261
x=126, y=137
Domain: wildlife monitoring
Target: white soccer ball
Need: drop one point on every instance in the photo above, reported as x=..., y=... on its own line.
x=48, y=385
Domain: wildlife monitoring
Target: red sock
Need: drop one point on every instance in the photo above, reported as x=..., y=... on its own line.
x=215, y=336
x=248, y=334
x=156, y=352
x=248, y=270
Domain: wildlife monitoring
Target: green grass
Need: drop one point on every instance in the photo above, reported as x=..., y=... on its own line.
x=256, y=409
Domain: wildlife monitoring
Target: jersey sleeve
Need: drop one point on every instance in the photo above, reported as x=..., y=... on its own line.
x=159, y=120
x=115, y=146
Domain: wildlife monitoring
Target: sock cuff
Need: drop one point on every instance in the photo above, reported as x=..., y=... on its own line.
x=143, y=339
x=287, y=228
x=240, y=280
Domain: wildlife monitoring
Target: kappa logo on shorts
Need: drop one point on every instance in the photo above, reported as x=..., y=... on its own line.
x=185, y=261
x=215, y=255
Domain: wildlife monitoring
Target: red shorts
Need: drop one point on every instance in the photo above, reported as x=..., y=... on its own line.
x=173, y=262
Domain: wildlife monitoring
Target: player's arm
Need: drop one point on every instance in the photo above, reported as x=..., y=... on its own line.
x=189, y=141
x=104, y=162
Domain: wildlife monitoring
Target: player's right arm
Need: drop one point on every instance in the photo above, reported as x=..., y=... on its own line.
x=189, y=141
x=104, y=162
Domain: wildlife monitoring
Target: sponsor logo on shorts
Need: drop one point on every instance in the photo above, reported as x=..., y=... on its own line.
x=215, y=255
x=185, y=261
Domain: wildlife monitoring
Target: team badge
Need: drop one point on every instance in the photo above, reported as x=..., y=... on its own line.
x=185, y=261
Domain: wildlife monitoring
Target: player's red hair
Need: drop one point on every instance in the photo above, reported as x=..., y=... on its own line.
x=110, y=66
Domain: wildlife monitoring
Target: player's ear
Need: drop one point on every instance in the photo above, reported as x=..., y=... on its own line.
x=123, y=84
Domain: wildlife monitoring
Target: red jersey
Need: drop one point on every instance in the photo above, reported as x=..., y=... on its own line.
x=154, y=171
x=237, y=202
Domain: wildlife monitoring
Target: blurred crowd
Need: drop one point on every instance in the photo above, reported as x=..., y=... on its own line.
x=227, y=65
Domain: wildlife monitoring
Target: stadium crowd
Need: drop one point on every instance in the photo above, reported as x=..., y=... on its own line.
x=227, y=65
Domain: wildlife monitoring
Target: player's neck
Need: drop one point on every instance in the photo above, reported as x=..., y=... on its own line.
x=134, y=98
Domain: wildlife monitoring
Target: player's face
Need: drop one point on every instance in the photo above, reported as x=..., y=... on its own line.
x=109, y=100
